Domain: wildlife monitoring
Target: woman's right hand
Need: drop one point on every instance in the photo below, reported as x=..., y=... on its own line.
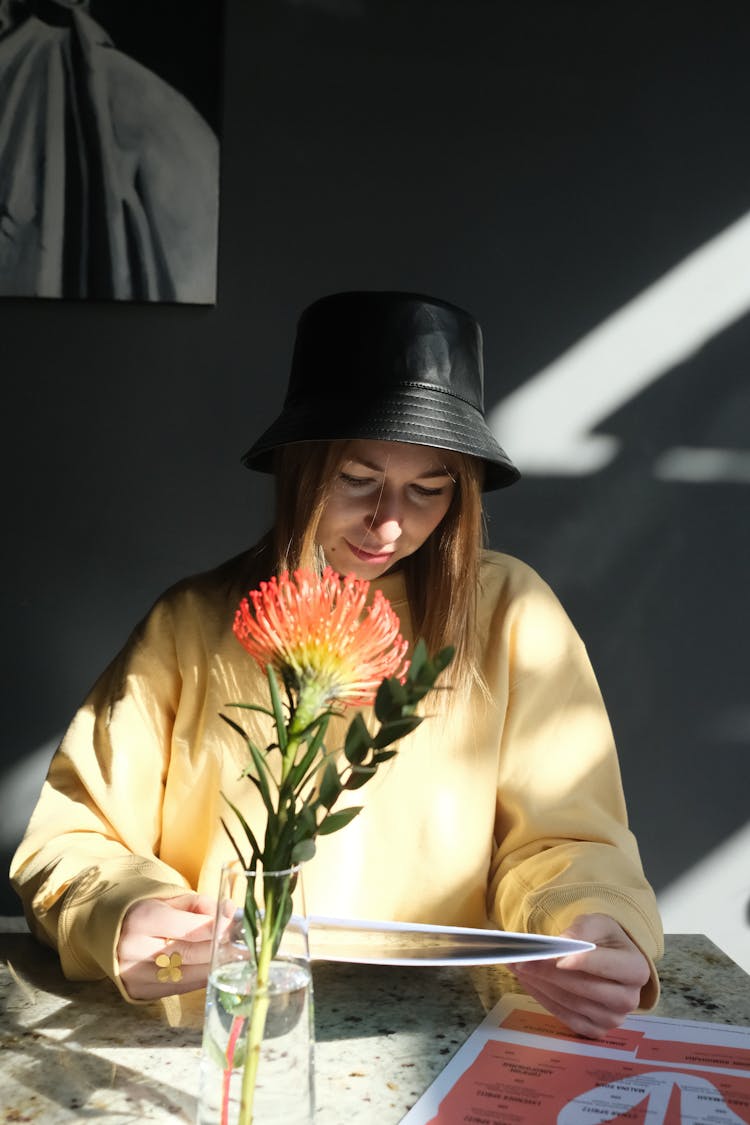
x=183, y=925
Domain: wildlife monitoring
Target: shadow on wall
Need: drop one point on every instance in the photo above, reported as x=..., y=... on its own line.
x=19, y=792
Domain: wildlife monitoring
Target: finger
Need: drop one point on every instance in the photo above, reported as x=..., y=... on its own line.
x=604, y=990
x=581, y=1018
x=148, y=949
x=589, y=1025
x=612, y=943
x=191, y=925
x=194, y=903
x=585, y=1004
x=582, y=989
x=224, y=916
x=600, y=929
x=623, y=965
x=627, y=966
x=159, y=918
x=142, y=982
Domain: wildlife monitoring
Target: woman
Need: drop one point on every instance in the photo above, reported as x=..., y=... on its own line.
x=505, y=807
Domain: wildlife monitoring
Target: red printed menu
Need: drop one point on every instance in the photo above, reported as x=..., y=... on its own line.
x=523, y=1067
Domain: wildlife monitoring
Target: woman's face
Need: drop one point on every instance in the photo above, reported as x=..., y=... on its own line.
x=387, y=499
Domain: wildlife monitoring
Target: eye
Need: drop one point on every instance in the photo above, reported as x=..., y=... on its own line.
x=423, y=490
x=354, y=482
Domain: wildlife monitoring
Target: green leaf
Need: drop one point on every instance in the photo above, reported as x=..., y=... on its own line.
x=424, y=671
x=234, y=844
x=434, y=667
x=358, y=740
x=415, y=692
x=330, y=785
x=303, y=851
x=237, y=1005
x=250, y=913
x=385, y=701
x=279, y=849
x=383, y=756
x=298, y=775
x=252, y=707
x=235, y=726
x=395, y=729
x=443, y=658
x=263, y=775
x=359, y=776
x=278, y=708
x=249, y=773
x=336, y=820
x=417, y=660
x=285, y=913
x=304, y=822
x=246, y=829
x=250, y=918
x=398, y=692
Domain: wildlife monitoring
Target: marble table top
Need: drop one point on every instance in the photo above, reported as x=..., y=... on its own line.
x=71, y=1051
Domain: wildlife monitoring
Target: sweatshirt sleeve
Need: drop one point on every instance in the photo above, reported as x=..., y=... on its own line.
x=91, y=848
x=562, y=842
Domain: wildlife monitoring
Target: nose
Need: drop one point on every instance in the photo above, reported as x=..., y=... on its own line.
x=384, y=525
x=385, y=532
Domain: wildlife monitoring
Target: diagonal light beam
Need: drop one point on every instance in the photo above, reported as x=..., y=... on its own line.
x=548, y=422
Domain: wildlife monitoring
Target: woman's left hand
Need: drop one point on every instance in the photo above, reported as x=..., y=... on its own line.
x=591, y=992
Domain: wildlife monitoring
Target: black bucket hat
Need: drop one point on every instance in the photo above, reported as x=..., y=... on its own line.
x=391, y=367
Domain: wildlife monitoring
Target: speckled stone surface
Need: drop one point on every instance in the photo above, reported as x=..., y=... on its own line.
x=76, y=1051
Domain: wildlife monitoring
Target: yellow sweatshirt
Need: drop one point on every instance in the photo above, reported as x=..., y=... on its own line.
x=509, y=813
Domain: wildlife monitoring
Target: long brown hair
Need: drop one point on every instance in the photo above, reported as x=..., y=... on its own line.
x=442, y=577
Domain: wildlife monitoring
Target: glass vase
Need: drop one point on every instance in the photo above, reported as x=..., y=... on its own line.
x=258, y=1037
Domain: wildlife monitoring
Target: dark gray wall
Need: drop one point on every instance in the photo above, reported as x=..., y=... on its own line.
x=539, y=163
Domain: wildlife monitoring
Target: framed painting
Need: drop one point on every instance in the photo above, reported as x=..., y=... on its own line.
x=109, y=149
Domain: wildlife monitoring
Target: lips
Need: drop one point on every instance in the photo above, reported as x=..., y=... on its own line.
x=369, y=556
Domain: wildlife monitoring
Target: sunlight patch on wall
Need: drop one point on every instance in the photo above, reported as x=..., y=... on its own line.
x=713, y=898
x=695, y=465
x=547, y=424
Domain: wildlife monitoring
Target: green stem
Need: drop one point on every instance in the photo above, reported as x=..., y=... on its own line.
x=274, y=897
x=288, y=758
x=257, y=1021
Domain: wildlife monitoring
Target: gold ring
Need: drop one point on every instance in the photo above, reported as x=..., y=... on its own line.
x=168, y=967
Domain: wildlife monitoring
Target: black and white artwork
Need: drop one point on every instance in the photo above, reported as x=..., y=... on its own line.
x=109, y=149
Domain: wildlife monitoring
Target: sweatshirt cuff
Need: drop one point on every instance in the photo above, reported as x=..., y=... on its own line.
x=93, y=910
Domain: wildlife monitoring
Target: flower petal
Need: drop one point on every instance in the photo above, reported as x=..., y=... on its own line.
x=319, y=632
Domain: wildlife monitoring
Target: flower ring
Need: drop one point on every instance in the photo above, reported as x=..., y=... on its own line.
x=169, y=967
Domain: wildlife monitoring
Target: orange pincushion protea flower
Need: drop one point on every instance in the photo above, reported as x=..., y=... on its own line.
x=320, y=631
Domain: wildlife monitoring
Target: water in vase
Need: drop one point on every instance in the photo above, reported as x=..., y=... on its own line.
x=284, y=1088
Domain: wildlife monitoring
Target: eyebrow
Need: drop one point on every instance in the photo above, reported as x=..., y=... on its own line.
x=436, y=471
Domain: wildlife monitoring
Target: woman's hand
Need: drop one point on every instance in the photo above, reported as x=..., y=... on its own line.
x=590, y=992
x=184, y=925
